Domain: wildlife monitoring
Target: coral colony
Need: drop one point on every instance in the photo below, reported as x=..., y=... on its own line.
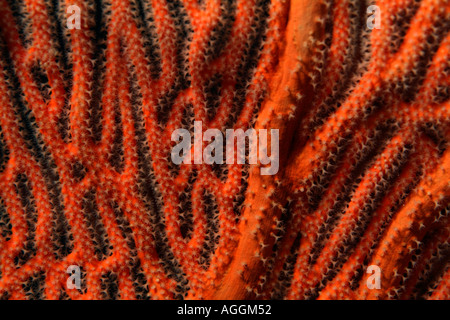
x=224, y=149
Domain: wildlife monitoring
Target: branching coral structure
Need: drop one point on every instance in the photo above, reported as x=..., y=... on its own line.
x=87, y=180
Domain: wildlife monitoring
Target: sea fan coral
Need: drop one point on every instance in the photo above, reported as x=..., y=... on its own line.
x=86, y=121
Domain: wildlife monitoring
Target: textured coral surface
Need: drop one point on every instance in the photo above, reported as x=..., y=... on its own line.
x=86, y=177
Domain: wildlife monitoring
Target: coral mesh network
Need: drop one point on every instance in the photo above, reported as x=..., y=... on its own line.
x=92, y=91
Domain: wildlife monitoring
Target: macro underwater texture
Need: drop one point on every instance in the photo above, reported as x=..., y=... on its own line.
x=86, y=177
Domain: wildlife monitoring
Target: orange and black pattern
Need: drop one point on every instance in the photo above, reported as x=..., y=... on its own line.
x=86, y=177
